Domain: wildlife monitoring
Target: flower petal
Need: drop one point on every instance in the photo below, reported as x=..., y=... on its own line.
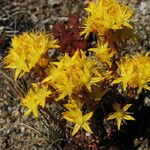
x=113, y=116
x=118, y=123
x=75, y=130
x=87, y=116
x=126, y=107
x=87, y=128
x=128, y=117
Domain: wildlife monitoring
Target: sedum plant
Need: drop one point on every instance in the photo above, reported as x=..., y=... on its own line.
x=80, y=81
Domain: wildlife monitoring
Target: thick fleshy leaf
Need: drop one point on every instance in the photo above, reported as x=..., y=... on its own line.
x=35, y=112
x=127, y=25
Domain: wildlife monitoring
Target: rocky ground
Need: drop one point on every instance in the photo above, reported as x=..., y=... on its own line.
x=16, y=16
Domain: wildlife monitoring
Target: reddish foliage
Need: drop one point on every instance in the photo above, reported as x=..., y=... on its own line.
x=69, y=35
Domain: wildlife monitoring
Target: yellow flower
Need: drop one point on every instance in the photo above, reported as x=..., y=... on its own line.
x=103, y=53
x=142, y=63
x=126, y=69
x=74, y=114
x=34, y=99
x=26, y=51
x=17, y=61
x=70, y=74
x=120, y=114
x=134, y=72
x=105, y=15
x=73, y=104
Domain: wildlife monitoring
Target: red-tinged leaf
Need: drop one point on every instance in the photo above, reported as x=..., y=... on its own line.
x=73, y=20
x=68, y=35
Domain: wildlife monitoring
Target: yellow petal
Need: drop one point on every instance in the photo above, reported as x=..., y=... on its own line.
x=87, y=116
x=96, y=79
x=118, y=123
x=61, y=96
x=147, y=87
x=75, y=130
x=127, y=25
x=117, y=81
x=87, y=128
x=35, y=112
x=68, y=118
x=113, y=116
x=128, y=117
x=27, y=112
x=17, y=72
x=46, y=79
x=126, y=107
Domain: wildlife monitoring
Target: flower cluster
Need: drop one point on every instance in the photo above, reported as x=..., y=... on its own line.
x=106, y=15
x=70, y=74
x=27, y=50
x=134, y=72
x=78, y=78
x=36, y=97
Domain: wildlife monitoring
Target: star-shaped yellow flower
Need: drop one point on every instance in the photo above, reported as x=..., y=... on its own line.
x=74, y=114
x=103, y=53
x=120, y=114
x=34, y=99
